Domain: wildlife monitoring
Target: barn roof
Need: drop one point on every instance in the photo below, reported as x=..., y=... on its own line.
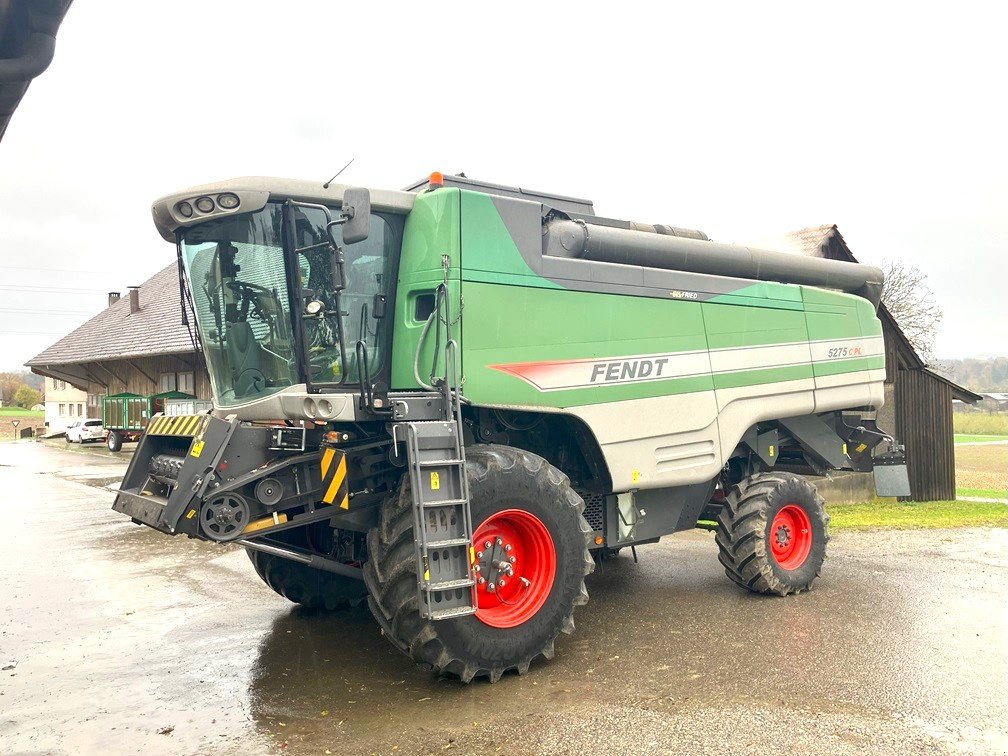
x=116, y=333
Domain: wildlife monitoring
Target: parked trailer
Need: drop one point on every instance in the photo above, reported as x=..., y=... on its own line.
x=126, y=416
x=455, y=401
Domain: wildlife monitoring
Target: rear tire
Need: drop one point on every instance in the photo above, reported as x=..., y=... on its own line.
x=310, y=587
x=501, y=479
x=772, y=534
x=114, y=441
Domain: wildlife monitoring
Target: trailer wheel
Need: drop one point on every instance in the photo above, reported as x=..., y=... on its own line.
x=114, y=441
x=772, y=534
x=520, y=497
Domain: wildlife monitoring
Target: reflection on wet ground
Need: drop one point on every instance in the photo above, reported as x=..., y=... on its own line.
x=116, y=633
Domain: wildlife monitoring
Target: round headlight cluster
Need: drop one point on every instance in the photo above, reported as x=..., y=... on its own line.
x=206, y=205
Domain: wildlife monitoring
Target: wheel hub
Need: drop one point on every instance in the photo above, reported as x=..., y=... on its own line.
x=514, y=564
x=790, y=537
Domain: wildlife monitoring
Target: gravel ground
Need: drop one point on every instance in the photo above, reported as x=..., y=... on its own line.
x=120, y=640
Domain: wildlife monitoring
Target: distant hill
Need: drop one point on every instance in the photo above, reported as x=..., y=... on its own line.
x=977, y=373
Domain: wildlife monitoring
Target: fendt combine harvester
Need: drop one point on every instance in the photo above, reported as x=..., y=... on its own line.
x=446, y=399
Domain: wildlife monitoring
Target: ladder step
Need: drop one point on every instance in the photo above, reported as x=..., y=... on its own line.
x=447, y=543
x=439, y=462
x=444, y=503
x=458, y=611
x=450, y=585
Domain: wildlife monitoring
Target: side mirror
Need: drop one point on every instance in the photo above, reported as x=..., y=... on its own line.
x=356, y=215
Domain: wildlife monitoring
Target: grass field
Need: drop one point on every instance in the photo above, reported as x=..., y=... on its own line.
x=910, y=515
x=984, y=493
x=18, y=412
x=965, y=438
x=980, y=423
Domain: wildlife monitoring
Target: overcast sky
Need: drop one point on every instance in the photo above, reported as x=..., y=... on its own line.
x=745, y=120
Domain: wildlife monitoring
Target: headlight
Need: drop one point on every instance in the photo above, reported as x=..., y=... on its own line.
x=228, y=201
x=184, y=209
x=205, y=205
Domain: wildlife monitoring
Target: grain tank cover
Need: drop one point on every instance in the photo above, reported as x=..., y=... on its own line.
x=578, y=239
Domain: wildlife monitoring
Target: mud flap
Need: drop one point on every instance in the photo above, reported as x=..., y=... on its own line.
x=891, y=477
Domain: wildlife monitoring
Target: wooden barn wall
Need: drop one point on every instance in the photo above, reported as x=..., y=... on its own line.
x=135, y=376
x=924, y=425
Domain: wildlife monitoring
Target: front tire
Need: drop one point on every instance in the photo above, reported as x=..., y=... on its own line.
x=310, y=587
x=114, y=441
x=772, y=534
x=511, y=491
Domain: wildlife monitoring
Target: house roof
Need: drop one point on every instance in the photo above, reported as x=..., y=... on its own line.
x=116, y=333
x=27, y=44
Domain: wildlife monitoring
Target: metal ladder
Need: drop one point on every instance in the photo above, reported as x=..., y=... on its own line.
x=442, y=523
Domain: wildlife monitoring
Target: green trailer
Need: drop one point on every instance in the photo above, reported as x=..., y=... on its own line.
x=125, y=416
x=454, y=401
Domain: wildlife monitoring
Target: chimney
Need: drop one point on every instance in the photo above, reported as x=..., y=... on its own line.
x=113, y=297
x=134, y=295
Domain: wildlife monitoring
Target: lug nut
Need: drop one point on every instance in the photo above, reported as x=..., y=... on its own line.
x=490, y=587
x=481, y=581
x=487, y=545
x=499, y=540
x=502, y=583
x=477, y=568
x=511, y=559
x=479, y=554
x=508, y=547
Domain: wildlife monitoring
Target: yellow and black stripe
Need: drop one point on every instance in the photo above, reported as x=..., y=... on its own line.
x=334, y=482
x=177, y=425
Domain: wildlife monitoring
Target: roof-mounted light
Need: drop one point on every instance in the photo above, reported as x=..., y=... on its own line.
x=435, y=180
x=228, y=201
x=205, y=205
x=184, y=209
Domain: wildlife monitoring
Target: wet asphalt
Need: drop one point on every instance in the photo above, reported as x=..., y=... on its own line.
x=116, y=639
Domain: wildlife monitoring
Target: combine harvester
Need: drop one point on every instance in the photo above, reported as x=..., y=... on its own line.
x=446, y=399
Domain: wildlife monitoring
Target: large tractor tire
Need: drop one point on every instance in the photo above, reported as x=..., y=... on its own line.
x=527, y=503
x=310, y=587
x=772, y=534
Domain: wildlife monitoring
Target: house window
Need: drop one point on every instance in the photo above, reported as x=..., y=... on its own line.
x=80, y=410
x=59, y=385
x=186, y=383
x=62, y=410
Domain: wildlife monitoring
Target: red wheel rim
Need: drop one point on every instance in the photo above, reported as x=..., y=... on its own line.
x=790, y=537
x=521, y=554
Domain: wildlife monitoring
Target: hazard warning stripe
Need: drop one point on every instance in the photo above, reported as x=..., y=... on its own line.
x=177, y=425
x=333, y=475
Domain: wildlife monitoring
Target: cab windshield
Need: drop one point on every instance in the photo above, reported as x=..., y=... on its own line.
x=257, y=333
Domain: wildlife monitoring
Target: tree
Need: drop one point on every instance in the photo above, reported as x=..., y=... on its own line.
x=9, y=384
x=912, y=303
x=27, y=397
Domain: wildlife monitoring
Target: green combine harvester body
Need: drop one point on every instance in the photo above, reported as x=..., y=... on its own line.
x=483, y=391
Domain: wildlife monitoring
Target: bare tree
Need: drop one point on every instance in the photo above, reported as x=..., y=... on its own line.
x=912, y=303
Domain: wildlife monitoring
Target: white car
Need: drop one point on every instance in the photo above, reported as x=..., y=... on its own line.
x=85, y=430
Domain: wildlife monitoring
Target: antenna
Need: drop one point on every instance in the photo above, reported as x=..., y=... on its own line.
x=326, y=184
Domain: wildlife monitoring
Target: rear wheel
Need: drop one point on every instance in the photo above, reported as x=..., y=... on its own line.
x=517, y=500
x=114, y=441
x=772, y=534
x=304, y=585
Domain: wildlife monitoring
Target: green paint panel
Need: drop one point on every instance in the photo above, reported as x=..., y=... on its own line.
x=763, y=375
x=433, y=229
x=568, y=325
x=746, y=325
x=849, y=366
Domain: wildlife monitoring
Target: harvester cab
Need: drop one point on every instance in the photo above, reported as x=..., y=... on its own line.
x=453, y=400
